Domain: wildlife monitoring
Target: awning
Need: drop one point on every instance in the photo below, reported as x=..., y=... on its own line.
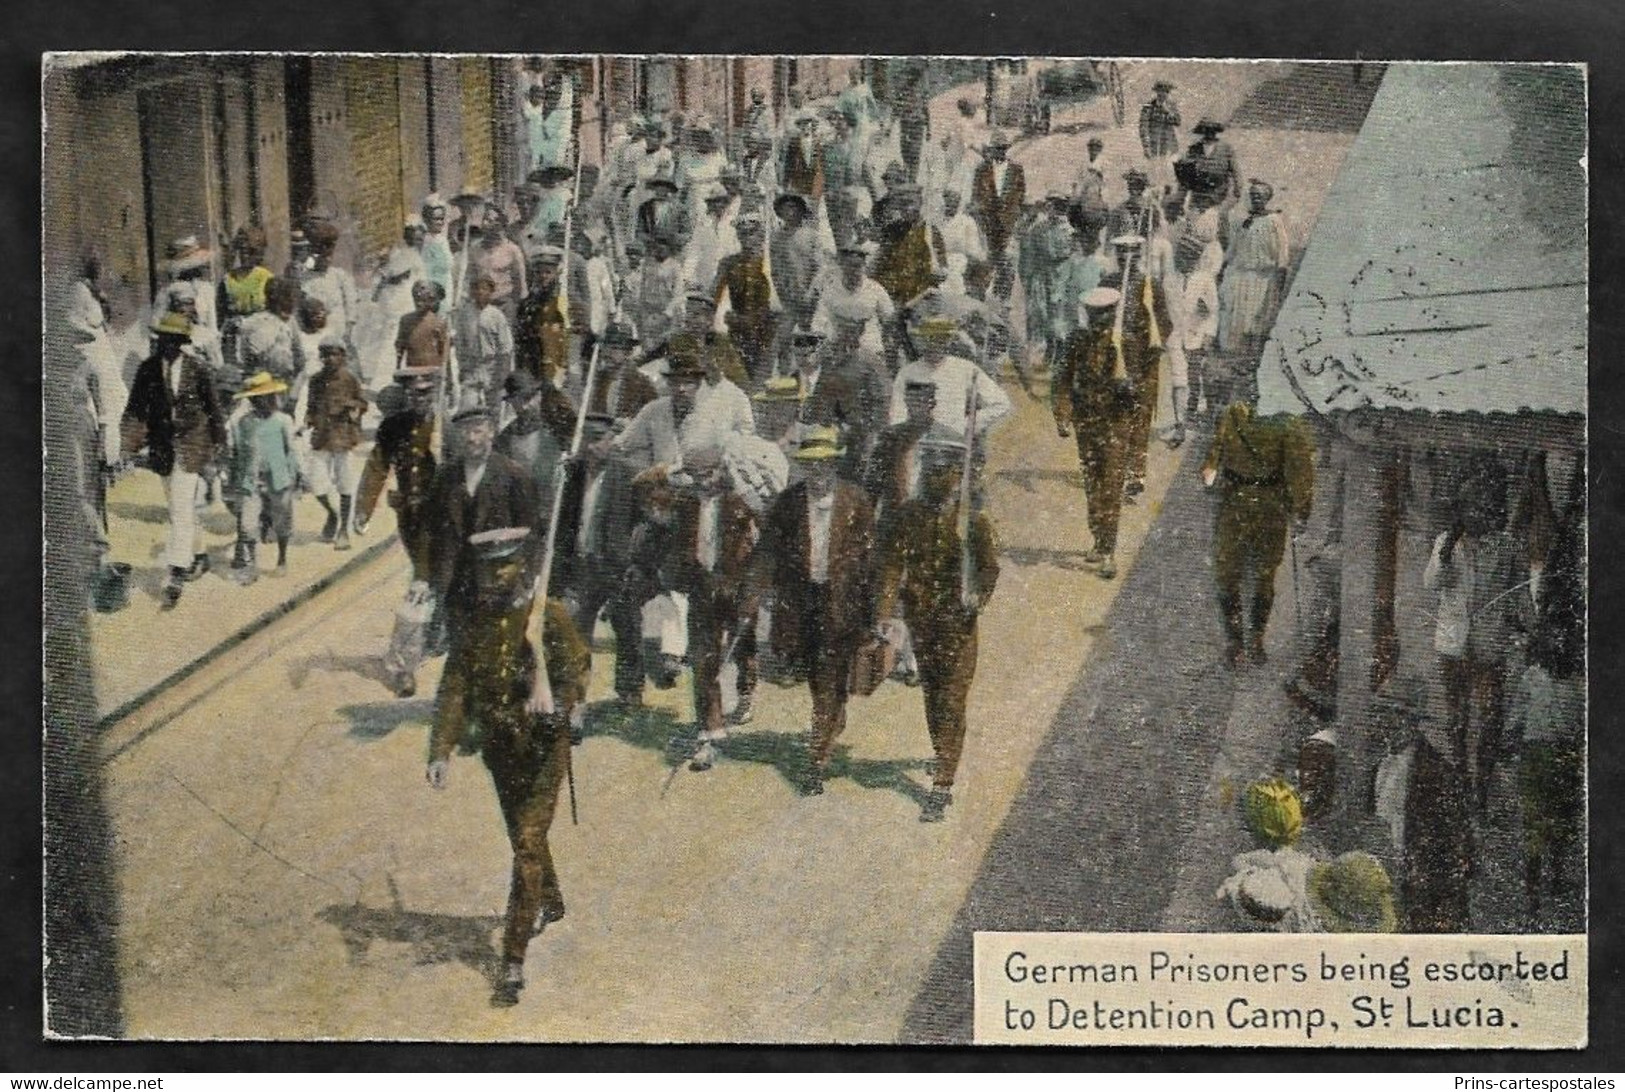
x=1447, y=271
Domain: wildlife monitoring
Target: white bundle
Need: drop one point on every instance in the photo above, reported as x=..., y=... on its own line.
x=756, y=466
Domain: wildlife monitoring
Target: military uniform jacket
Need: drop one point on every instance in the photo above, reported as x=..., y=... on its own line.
x=922, y=563
x=803, y=173
x=185, y=428
x=506, y=497
x=887, y=474
x=906, y=259
x=1085, y=391
x=781, y=559
x=1265, y=462
x=749, y=293
x=405, y=445
x=539, y=343
x=497, y=666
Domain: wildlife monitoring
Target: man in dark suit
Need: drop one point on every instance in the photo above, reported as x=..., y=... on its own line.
x=1208, y=171
x=619, y=389
x=597, y=518
x=479, y=490
x=539, y=435
x=174, y=413
x=803, y=168
x=713, y=533
x=816, y=556
x=894, y=468
x=998, y=197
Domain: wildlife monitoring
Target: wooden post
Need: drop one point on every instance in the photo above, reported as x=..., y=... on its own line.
x=1367, y=578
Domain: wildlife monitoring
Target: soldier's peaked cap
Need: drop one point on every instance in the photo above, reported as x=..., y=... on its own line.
x=499, y=542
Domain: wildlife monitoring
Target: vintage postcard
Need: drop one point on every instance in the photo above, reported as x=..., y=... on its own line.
x=812, y=549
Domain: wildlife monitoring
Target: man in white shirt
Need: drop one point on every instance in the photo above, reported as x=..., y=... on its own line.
x=962, y=240
x=953, y=377
x=713, y=239
x=670, y=425
x=851, y=286
x=1473, y=568
x=332, y=285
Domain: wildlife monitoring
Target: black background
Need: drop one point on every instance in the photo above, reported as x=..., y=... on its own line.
x=1309, y=29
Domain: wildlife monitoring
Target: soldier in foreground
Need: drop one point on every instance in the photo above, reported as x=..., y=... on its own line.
x=489, y=681
x=944, y=582
x=1093, y=399
x=1263, y=469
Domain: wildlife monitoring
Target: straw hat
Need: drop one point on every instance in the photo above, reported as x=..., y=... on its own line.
x=186, y=254
x=261, y=383
x=820, y=443
x=781, y=388
x=173, y=324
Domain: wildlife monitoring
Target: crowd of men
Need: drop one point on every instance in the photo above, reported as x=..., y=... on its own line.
x=730, y=394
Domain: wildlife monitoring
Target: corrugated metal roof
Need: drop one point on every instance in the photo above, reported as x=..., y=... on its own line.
x=1447, y=270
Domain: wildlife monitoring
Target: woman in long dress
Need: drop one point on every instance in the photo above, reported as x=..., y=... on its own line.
x=391, y=298
x=1254, y=276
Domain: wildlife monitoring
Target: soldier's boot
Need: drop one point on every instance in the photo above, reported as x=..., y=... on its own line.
x=936, y=805
x=281, y=569
x=342, y=540
x=239, y=554
x=1262, y=603
x=506, y=993
x=1230, y=609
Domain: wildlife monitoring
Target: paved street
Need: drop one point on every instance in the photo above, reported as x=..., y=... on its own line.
x=286, y=873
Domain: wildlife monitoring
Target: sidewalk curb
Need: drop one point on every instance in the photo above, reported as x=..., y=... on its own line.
x=303, y=595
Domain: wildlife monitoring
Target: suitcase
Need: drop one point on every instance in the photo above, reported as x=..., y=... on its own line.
x=871, y=666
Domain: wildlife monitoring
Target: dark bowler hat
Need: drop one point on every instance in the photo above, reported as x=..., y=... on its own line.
x=683, y=358
x=790, y=198
x=1135, y=176
x=1162, y=85
x=1208, y=125
x=620, y=335
x=520, y=386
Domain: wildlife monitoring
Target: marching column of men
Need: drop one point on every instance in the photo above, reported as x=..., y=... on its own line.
x=739, y=411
